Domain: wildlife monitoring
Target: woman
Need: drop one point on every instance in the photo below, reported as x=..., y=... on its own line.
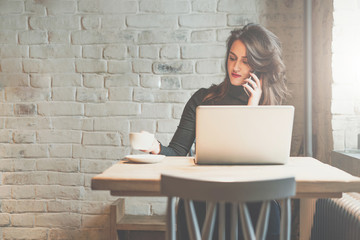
x=252, y=49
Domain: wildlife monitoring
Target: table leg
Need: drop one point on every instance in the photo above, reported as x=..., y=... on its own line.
x=307, y=211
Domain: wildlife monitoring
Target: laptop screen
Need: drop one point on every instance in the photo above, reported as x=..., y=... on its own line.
x=243, y=134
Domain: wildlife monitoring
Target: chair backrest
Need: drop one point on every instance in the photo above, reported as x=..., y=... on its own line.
x=237, y=193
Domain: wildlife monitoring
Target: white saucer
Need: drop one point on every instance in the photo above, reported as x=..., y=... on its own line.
x=145, y=158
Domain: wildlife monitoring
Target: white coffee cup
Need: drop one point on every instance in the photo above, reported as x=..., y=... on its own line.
x=141, y=140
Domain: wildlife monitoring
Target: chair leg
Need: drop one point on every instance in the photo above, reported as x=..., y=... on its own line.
x=285, y=222
x=171, y=219
x=246, y=224
x=208, y=227
x=191, y=219
x=262, y=223
x=222, y=221
x=234, y=222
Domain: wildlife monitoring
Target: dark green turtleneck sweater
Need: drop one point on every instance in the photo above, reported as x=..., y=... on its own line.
x=185, y=133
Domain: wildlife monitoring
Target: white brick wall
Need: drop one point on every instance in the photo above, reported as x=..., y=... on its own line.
x=76, y=76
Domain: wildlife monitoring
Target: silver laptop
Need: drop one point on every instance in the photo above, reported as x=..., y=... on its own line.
x=243, y=134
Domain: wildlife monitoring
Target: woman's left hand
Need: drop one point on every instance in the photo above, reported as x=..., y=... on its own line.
x=254, y=88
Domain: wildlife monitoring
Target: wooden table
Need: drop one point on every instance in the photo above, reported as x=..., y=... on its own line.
x=313, y=179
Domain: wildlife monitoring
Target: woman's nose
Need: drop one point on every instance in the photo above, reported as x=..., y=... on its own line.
x=237, y=66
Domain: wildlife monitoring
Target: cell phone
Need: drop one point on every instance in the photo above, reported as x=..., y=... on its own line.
x=257, y=74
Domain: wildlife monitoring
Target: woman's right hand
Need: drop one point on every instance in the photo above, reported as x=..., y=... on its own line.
x=154, y=149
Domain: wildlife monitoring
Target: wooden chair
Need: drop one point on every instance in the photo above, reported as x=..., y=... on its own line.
x=237, y=193
x=119, y=222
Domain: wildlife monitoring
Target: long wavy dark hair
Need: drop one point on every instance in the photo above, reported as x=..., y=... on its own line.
x=264, y=55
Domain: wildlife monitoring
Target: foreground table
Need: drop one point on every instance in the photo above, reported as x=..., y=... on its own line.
x=313, y=179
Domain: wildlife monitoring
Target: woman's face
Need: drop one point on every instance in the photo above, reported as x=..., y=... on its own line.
x=237, y=64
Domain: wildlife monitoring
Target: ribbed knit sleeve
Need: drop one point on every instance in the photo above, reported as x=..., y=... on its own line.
x=185, y=134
